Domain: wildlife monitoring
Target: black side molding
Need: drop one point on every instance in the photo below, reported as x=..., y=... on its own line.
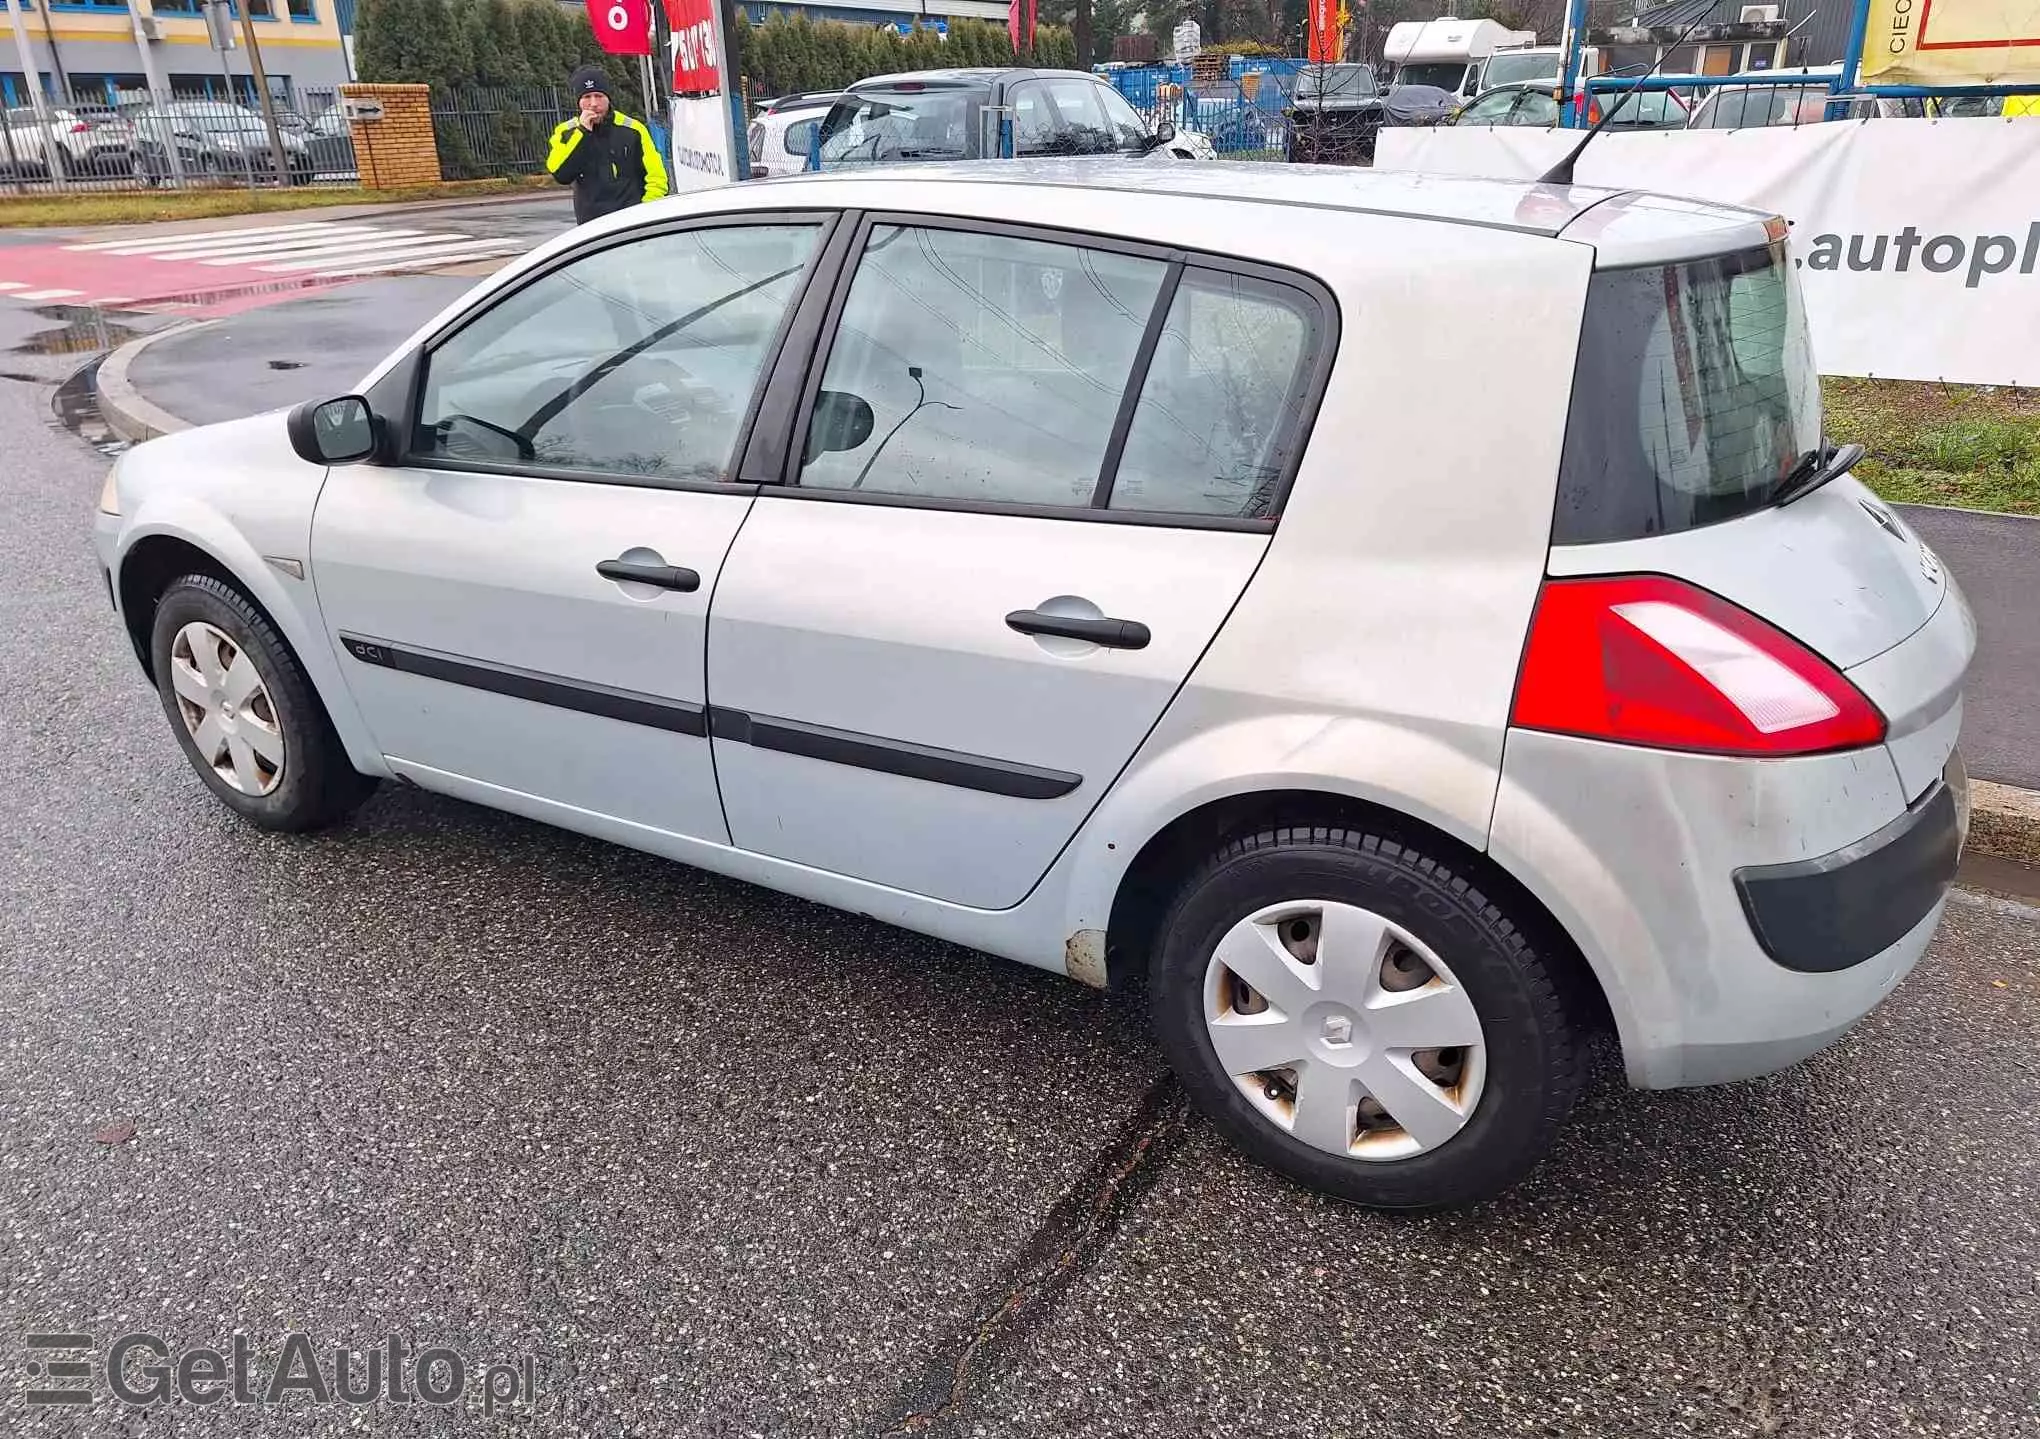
x=847, y=747
x=891, y=756
x=627, y=705
x=1833, y=912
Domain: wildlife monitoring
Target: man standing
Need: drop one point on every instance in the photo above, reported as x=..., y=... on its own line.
x=609, y=158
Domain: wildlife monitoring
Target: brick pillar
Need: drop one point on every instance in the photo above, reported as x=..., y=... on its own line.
x=397, y=151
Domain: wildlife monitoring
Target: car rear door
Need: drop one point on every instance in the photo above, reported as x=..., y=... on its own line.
x=1036, y=472
x=520, y=603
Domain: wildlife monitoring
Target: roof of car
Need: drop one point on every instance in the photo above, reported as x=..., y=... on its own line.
x=1623, y=226
x=1506, y=204
x=974, y=74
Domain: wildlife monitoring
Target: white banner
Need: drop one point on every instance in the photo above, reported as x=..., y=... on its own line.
x=701, y=141
x=1918, y=243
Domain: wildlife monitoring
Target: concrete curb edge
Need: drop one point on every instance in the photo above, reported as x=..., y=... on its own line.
x=125, y=409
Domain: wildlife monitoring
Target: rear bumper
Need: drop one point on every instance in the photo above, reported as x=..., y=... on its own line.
x=1638, y=853
x=1845, y=908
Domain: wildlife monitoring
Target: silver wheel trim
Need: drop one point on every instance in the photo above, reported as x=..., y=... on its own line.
x=227, y=711
x=1344, y=1030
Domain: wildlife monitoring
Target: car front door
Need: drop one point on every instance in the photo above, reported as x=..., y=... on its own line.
x=520, y=603
x=1037, y=473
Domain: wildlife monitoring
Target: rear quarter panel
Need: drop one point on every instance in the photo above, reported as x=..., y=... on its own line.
x=1375, y=652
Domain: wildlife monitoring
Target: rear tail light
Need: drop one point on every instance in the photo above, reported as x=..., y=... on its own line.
x=81, y=128
x=1646, y=660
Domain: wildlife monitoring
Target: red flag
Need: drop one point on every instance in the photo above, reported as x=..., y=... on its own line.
x=1020, y=25
x=696, y=70
x=1321, y=20
x=622, y=27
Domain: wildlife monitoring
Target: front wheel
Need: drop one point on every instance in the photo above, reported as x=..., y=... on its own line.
x=1359, y=1016
x=245, y=713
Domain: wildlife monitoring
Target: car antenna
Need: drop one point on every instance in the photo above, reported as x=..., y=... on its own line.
x=1561, y=173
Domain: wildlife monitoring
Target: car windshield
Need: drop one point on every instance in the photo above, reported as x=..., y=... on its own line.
x=1757, y=105
x=1444, y=77
x=1508, y=69
x=1336, y=81
x=1695, y=395
x=918, y=123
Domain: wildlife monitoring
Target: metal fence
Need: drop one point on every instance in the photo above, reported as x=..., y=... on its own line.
x=96, y=139
x=1239, y=108
x=489, y=131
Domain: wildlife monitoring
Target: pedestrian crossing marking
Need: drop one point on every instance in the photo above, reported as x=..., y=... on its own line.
x=201, y=268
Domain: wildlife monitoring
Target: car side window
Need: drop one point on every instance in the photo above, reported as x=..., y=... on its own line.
x=638, y=360
x=1034, y=120
x=1537, y=107
x=980, y=367
x=1221, y=410
x=1489, y=109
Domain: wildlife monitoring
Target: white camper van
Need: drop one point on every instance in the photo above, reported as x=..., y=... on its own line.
x=1449, y=53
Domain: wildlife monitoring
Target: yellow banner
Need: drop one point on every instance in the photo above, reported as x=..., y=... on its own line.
x=1952, y=42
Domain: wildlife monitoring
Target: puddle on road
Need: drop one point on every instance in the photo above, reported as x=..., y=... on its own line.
x=75, y=407
x=81, y=330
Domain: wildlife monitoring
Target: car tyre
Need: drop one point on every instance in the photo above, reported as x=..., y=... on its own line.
x=259, y=737
x=1435, y=936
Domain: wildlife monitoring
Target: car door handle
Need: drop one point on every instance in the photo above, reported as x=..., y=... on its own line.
x=1111, y=633
x=666, y=577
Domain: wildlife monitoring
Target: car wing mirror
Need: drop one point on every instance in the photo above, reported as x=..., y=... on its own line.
x=841, y=421
x=333, y=432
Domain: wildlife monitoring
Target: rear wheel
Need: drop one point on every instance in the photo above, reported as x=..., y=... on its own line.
x=1357, y=1015
x=245, y=713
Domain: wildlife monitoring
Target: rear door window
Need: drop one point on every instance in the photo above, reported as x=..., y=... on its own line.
x=1010, y=370
x=1695, y=394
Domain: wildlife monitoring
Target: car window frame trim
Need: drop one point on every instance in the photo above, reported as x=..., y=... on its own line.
x=1326, y=332
x=414, y=369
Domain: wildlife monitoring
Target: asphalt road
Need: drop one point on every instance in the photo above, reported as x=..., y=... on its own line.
x=722, y=1163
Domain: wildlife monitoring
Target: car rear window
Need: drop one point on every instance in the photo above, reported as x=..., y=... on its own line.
x=874, y=127
x=1759, y=106
x=1695, y=394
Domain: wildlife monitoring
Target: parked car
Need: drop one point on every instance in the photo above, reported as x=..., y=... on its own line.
x=212, y=138
x=1419, y=105
x=782, y=138
x=1743, y=107
x=1038, y=505
x=1537, y=103
x=981, y=113
x=66, y=142
x=114, y=130
x=1334, y=114
x=329, y=145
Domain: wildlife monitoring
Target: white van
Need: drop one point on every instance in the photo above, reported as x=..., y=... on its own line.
x=1450, y=53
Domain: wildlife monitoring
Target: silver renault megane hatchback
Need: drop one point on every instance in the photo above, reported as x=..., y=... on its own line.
x=1129, y=572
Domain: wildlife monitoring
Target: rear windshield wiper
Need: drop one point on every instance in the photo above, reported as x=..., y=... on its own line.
x=1814, y=469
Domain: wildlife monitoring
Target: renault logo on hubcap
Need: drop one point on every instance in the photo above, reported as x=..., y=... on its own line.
x=1338, y=1029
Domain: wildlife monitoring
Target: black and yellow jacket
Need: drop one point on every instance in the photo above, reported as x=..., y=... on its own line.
x=612, y=167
